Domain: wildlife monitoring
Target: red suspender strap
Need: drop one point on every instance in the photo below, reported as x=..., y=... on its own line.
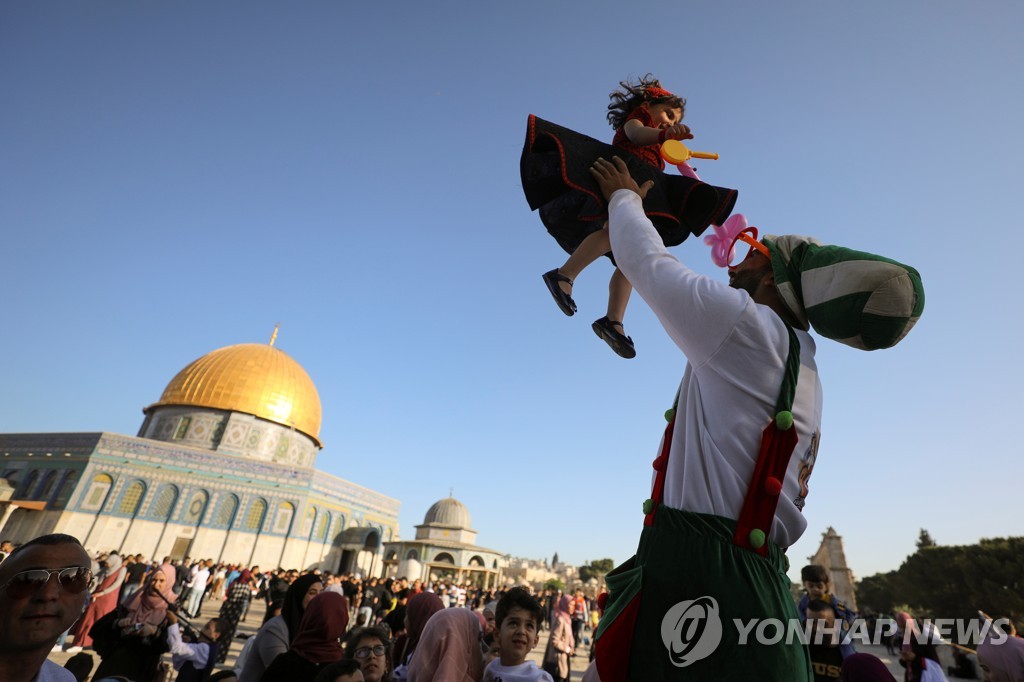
x=778, y=441
x=660, y=466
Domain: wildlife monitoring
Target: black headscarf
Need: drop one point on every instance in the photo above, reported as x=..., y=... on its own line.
x=292, y=610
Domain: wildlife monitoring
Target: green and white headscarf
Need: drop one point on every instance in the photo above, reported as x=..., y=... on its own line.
x=856, y=298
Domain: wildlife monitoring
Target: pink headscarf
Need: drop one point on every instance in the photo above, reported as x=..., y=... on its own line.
x=449, y=649
x=150, y=609
x=563, y=614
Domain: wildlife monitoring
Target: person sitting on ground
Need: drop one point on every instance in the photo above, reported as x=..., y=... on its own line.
x=317, y=642
x=43, y=588
x=826, y=658
x=344, y=670
x=369, y=648
x=276, y=635
x=192, y=660
x=449, y=649
x=816, y=582
x=518, y=616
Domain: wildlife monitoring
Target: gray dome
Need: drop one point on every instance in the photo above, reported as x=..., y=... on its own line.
x=449, y=513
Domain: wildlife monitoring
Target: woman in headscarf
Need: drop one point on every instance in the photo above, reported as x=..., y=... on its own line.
x=317, y=642
x=140, y=619
x=236, y=603
x=417, y=612
x=449, y=649
x=274, y=638
x=561, y=644
x=104, y=600
x=919, y=656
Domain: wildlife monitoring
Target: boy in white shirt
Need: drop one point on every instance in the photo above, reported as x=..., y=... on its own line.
x=517, y=631
x=193, y=660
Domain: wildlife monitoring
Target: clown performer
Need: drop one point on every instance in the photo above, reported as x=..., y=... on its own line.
x=555, y=170
x=729, y=489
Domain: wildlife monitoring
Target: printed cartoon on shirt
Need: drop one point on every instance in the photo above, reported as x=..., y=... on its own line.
x=806, y=467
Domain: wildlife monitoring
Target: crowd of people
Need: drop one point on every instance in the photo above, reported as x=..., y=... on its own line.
x=134, y=614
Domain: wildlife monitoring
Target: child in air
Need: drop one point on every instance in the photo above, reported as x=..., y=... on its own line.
x=644, y=115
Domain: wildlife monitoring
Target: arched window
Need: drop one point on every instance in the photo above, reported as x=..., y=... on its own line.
x=96, y=495
x=196, y=507
x=307, y=524
x=254, y=519
x=46, y=487
x=132, y=498
x=163, y=503
x=285, y=514
x=323, y=526
x=226, y=513
x=444, y=558
x=412, y=555
x=25, y=490
x=66, y=488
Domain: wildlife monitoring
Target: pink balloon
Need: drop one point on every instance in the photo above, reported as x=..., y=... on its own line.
x=723, y=241
x=686, y=170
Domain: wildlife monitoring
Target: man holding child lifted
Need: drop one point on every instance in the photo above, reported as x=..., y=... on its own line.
x=731, y=477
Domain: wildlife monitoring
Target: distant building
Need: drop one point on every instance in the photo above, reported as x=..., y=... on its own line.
x=445, y=549
x=221, y=468
x=832, y=556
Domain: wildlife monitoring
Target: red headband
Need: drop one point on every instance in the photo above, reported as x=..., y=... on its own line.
x=658, y=93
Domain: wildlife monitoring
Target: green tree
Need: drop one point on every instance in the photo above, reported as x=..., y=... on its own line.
x=596, y=569
x=924, y=539
x=554, y=584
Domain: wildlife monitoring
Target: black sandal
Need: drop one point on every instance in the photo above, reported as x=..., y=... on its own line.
x=562, y=299
x=620, y=343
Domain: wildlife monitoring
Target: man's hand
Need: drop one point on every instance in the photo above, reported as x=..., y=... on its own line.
x=172, y=617
x=612, y=177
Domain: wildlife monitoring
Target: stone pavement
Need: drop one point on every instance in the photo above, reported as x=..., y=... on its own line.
x=579, y=664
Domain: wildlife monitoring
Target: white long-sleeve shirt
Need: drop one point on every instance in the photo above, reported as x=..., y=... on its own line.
x=736, y=351
x=181, y=652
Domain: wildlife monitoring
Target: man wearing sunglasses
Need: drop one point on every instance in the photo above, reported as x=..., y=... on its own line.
x=43, y=591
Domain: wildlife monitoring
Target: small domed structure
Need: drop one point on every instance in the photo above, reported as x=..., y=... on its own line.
x=447, y=513
x=445, y=547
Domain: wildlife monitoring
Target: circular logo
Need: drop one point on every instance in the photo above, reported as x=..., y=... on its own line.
x=691, y=630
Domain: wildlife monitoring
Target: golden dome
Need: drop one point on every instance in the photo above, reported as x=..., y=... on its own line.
x=253, y=378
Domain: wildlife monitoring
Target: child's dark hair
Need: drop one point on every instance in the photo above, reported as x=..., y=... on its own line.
x=218, y=625
x=518, y=596
x=814, y=573
x=632, y=95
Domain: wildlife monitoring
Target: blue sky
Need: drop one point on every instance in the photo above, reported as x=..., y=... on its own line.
x=178, y=177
